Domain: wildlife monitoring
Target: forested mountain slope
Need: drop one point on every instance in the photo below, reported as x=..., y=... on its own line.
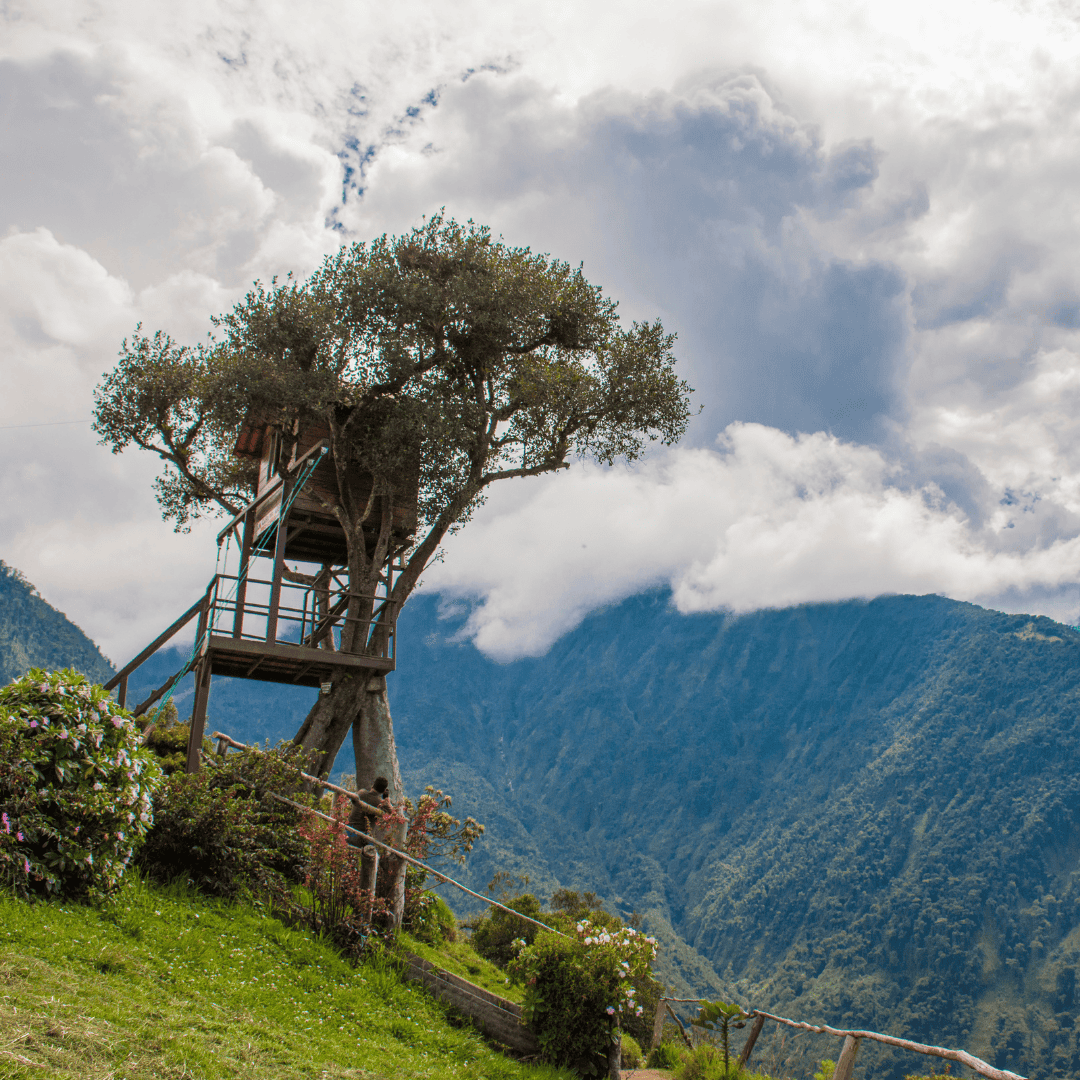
x=864, y=813
x=34, y=634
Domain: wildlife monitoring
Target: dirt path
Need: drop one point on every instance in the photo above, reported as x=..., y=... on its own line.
x=646, y=1074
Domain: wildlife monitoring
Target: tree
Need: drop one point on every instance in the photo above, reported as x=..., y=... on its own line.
x=442, y=351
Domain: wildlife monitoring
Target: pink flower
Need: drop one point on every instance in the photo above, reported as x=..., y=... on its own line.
x=117, y=722
x=4, y=821
x=19, y=836
x=26, y=864
x=33, y=723
x=62, y=735
x=610, y=1010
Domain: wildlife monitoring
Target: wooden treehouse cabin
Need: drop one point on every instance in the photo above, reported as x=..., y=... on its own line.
x=272, y=621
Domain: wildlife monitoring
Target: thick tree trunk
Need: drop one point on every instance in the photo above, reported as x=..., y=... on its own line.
x=376, y=755
x=361, y=703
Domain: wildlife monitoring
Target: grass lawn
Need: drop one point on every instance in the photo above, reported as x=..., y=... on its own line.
x=167, y=983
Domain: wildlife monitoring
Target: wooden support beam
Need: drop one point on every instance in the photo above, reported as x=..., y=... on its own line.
x=159, y=692
x=658, y=1024
x=121, y=694
x=198, y=715
x=279, y=565
x=242, y=573
x=846, y=1065
x=748, y=1046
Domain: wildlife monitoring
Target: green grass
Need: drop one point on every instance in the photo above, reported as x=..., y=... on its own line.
x=165, y=983
x=460, y=958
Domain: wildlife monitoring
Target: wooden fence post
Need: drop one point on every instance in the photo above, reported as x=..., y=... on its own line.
x=658, y=1024
x=846, y=1063
x=748, y=1046
x=369, y=871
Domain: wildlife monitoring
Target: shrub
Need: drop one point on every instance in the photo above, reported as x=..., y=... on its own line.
x=828, y=1067
x=631, y=1052
x=665, y=1056
x=704, y=1062
x=432, y=920
x=434, y=836
x=75, y=787
x=494, y=935
x=578, y=987
x=166, y=737
x=220, y=830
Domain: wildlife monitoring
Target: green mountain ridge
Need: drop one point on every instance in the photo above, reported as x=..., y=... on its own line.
x=35, y=634
x=865, y=813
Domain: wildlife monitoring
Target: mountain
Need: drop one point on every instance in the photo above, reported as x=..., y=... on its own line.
x=864, y=813
x=34, y=634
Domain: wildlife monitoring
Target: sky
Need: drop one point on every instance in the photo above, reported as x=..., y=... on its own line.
x=859, y=218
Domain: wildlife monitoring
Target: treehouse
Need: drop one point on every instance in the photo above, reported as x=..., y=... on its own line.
x=274, y=622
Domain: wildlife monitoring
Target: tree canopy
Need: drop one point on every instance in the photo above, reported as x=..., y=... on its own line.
x=443, y=350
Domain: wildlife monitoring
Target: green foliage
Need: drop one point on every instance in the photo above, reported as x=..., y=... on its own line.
x=721, y=1016
x=665, y=1056
x=431, y=919
x=579, y=987
x=75, y=787
x=632, y=1057
x=220, y=830
x=494, y=935
x=828, y=1067
x=167, y=737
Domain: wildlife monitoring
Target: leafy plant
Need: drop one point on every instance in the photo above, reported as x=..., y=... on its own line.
x=75, y=787
x=632, y=1057
x=665, y=1056
x=721, y=1016
x=828, y=1067
x=220, y=830
x=579, y=987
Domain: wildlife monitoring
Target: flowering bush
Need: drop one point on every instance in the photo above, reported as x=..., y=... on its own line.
x=75, y=787
x=339, y=907
x=580, y=987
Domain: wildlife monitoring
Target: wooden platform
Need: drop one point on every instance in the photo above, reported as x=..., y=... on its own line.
x=280, y=662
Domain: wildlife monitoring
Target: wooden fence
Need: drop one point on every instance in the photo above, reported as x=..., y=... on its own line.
x=849, y=1047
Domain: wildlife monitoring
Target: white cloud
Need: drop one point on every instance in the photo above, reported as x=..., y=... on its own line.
x=768, y=520
x=858, y=218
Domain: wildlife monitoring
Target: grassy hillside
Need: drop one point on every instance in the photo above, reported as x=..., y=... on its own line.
x=163, y=983
x=34, y=634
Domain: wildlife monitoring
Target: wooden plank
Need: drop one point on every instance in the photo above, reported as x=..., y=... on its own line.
x=159, y=692
x=156, y=644
x=242, y=574
x=121, y=694
x=279, y=566
x=198, y=716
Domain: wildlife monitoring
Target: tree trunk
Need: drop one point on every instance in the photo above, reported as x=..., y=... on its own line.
x=376, y=755
x=360, y=702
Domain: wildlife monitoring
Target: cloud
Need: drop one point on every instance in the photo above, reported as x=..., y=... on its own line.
x=766, y=520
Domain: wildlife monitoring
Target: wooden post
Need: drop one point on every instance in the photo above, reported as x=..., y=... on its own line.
x=121, y=693
x=614, y=1054
x=242, y=573
x=279, y=562
x=369, y=871
x=198, y=714
x=658, y=1024
x=748, y=1046
x=846, y=1064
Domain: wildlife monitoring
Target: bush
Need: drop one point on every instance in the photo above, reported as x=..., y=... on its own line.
x=432, y=920
x=705, y=1062
x=166, y=737
x=578, y=987
x=75, y=787
x=494, y=934
x=220, y=830
x=665, y=1056
x=631, y=1052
